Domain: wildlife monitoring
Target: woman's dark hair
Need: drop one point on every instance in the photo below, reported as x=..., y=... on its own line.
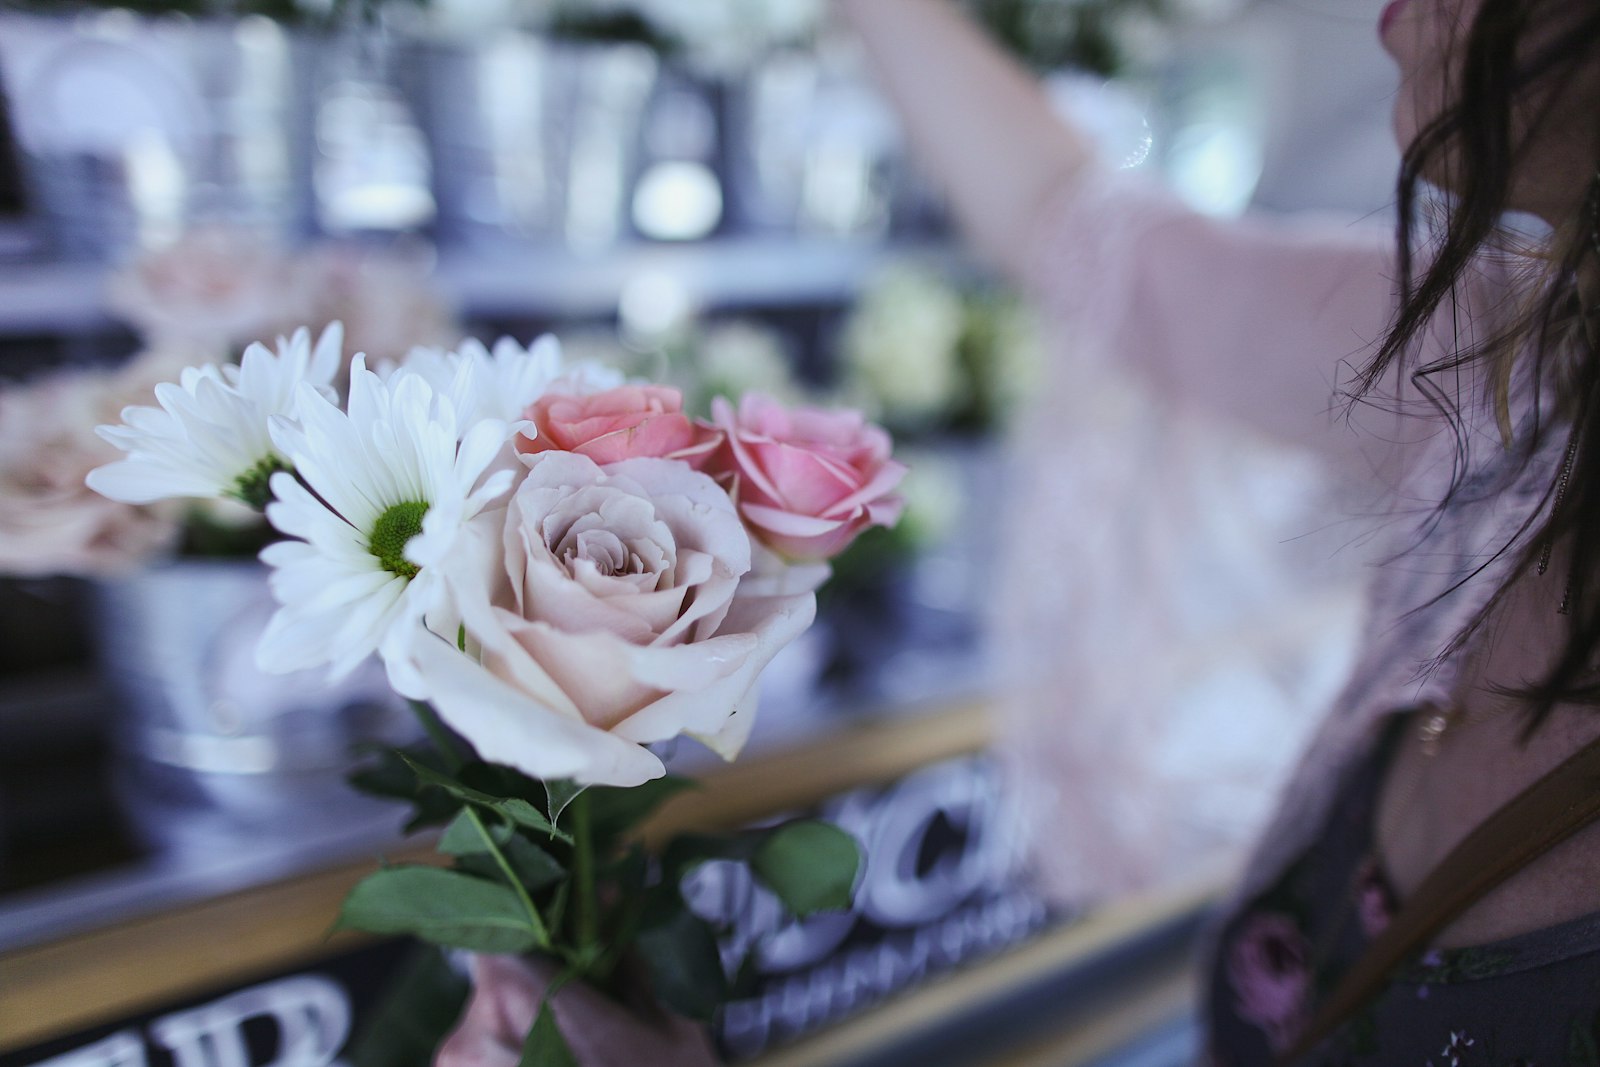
x=1513, y=79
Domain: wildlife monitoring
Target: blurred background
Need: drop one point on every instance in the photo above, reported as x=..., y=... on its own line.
x=709, y=192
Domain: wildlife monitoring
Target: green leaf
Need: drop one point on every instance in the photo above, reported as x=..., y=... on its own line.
x=616, y=810
x=681, y=951
x=461, y=837
x=545, y=1047
x=810, y=865
x=389, y=774
x=558, y=794
x=523, y=813
x=444, y=907
x=534, y=867
x=516, y=809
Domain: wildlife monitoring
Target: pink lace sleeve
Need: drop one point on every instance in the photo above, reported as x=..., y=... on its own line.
x=1250, y=318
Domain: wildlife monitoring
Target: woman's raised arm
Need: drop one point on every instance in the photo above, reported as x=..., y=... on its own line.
x=1255, y=318
x=980, y=123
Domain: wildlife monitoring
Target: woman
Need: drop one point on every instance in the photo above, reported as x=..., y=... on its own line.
x=1497, y=376
x=1479, y=675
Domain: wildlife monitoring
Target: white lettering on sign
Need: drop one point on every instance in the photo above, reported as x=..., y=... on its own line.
x=311, y=1015
x=797, y=1003
x=121, y=1049
x=909, y=880
x=940, y=888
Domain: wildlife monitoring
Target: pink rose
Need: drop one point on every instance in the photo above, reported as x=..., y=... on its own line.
x=602, y=610
x=628, y=422
x=1269, y=967
x=807, y=481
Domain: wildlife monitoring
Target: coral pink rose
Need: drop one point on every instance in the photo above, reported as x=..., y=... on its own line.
x=807, y=480
x=602, y=610
x=1269, y=967
x=628, y=422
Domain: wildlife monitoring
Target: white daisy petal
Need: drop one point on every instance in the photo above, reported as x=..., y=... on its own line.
x=211, y=435
x=380, y=495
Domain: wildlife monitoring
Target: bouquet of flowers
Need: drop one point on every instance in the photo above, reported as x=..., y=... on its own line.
x=560, y=569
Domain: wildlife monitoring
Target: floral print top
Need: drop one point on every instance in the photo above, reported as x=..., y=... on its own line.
x=1533, y=999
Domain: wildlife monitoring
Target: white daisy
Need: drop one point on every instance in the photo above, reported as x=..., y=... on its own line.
x=485, y=383
x=210, y=437
x=381, y=494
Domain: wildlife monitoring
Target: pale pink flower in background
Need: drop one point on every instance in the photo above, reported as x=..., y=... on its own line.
x=602, y=611
x=51, y=522
x=808, y=481
x=1269, y=967
x=627, y=422
x=215, y=288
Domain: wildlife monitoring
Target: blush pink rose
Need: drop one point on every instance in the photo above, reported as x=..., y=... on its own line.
x=807, y=481
x=601, y=610
x=1269, y=967
x=628, y=422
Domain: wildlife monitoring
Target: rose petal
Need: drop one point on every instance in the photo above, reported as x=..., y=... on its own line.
x=505, y=724
x=722, y=715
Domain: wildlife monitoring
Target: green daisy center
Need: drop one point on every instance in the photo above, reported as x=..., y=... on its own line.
x=394, y=528
x=253, y=487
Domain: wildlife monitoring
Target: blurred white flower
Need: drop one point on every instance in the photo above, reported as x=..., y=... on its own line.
x=901, y=346
x=484, y=383
x=386, y=490
x=743, y=356
x=210, y=436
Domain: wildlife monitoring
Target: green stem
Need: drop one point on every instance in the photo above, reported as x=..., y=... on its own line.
x=539, y=931
x=585, y=907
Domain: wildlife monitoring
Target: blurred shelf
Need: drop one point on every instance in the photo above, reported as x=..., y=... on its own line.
x=736, y=272
x=546, y=283
x=48, y=298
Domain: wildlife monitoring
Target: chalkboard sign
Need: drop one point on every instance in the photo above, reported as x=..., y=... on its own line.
x=301, y=1018
x=941, y=888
